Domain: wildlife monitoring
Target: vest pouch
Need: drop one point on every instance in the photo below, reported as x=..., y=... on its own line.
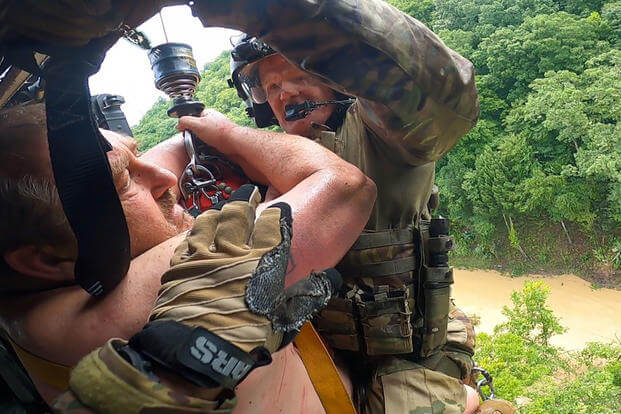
x=436, y=294
x=337, y=325
x=385, y=319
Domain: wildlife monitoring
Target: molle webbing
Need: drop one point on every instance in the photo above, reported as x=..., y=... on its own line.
x=384, y=238
x=386, y=268
x=374, y=316
x=396, y=297
x=380, y=254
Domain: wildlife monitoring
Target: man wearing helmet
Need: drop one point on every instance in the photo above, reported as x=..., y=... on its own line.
x=414, y=99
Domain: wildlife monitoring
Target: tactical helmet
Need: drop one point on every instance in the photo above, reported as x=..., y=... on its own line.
x=248, y=50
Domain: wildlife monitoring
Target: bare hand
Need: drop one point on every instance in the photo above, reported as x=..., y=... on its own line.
x=213, y=128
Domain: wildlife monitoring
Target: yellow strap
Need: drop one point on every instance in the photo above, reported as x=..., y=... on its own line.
x=322, y=372
x=51, y=373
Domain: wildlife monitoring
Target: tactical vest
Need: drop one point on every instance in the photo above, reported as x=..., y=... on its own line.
x=395, y=298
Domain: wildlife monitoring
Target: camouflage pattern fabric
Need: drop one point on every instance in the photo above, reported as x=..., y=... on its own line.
x=107, y=383
x=401, y=386
x=354, y=258
x=460, y=341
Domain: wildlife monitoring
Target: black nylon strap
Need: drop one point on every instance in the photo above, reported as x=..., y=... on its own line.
x=82, y=172
x=384, y=238
x=198, y=355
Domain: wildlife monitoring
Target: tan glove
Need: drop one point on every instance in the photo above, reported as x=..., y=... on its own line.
x=222, y=310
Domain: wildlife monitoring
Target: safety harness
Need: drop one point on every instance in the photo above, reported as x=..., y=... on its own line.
x=79, y=163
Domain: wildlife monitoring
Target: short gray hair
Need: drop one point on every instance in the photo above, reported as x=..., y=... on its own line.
x=30, y=209
x=31, y=213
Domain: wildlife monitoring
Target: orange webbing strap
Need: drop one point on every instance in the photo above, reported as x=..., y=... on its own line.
x=322, y=372
x=51, y=373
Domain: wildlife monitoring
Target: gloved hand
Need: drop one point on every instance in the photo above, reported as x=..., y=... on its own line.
x=222, y=310
x=227, y=278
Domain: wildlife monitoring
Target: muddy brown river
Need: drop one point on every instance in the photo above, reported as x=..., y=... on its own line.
x=588, y=314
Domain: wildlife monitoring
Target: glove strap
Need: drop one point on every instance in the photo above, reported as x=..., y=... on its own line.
x=198, y=355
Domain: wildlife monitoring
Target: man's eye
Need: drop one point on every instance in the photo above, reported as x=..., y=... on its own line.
x=272, y=89
x=126, y=186
x=124, y=182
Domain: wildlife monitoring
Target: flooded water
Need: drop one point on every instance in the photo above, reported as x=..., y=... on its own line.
x=589, y=314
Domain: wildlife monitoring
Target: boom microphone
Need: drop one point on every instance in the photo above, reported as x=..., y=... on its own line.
x=293, y=112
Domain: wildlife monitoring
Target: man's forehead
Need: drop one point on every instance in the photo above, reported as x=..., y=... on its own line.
x=274, y=63
x=120, y=142
x=123, y=148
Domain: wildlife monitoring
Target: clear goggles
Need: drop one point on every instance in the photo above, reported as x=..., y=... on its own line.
x=263, y=85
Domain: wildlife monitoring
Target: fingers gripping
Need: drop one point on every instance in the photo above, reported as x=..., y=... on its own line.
x=237, y=221
x=197, y=245
x=220, y=232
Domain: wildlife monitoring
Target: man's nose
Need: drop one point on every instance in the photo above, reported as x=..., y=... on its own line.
x=157, y=179
x=289, y=89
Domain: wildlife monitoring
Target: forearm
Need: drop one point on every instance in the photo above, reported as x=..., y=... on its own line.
x=368, y=49
x=330, y=209
x=283, y=160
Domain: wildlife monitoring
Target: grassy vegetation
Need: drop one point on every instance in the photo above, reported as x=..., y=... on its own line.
x=543, y=378
x=547, y=251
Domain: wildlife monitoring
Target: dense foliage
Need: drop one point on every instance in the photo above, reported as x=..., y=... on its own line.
x=542, y=378
x=536, y=185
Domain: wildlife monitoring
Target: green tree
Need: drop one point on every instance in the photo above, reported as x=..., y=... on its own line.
x=155, y=126
x=493, y=186
x=483, y=17
x=515, y=56
x=581, y=7
x=611, y=12
x=529, y=318
x=573, y=123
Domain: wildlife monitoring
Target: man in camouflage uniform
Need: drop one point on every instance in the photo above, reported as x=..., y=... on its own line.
x=414, y=99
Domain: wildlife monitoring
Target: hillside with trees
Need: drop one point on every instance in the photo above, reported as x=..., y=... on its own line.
x=536, y=185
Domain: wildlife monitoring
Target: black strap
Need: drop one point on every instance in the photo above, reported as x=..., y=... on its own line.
x=198, y=355
x=371, y=240
x=82, y=172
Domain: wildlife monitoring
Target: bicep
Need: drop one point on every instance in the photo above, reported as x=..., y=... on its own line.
x=327, y=219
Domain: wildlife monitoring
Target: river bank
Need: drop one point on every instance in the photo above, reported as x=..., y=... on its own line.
x=588, y=314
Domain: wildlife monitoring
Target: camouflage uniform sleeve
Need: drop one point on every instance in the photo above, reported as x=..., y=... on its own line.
x=416, y=94
x=104, y=382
